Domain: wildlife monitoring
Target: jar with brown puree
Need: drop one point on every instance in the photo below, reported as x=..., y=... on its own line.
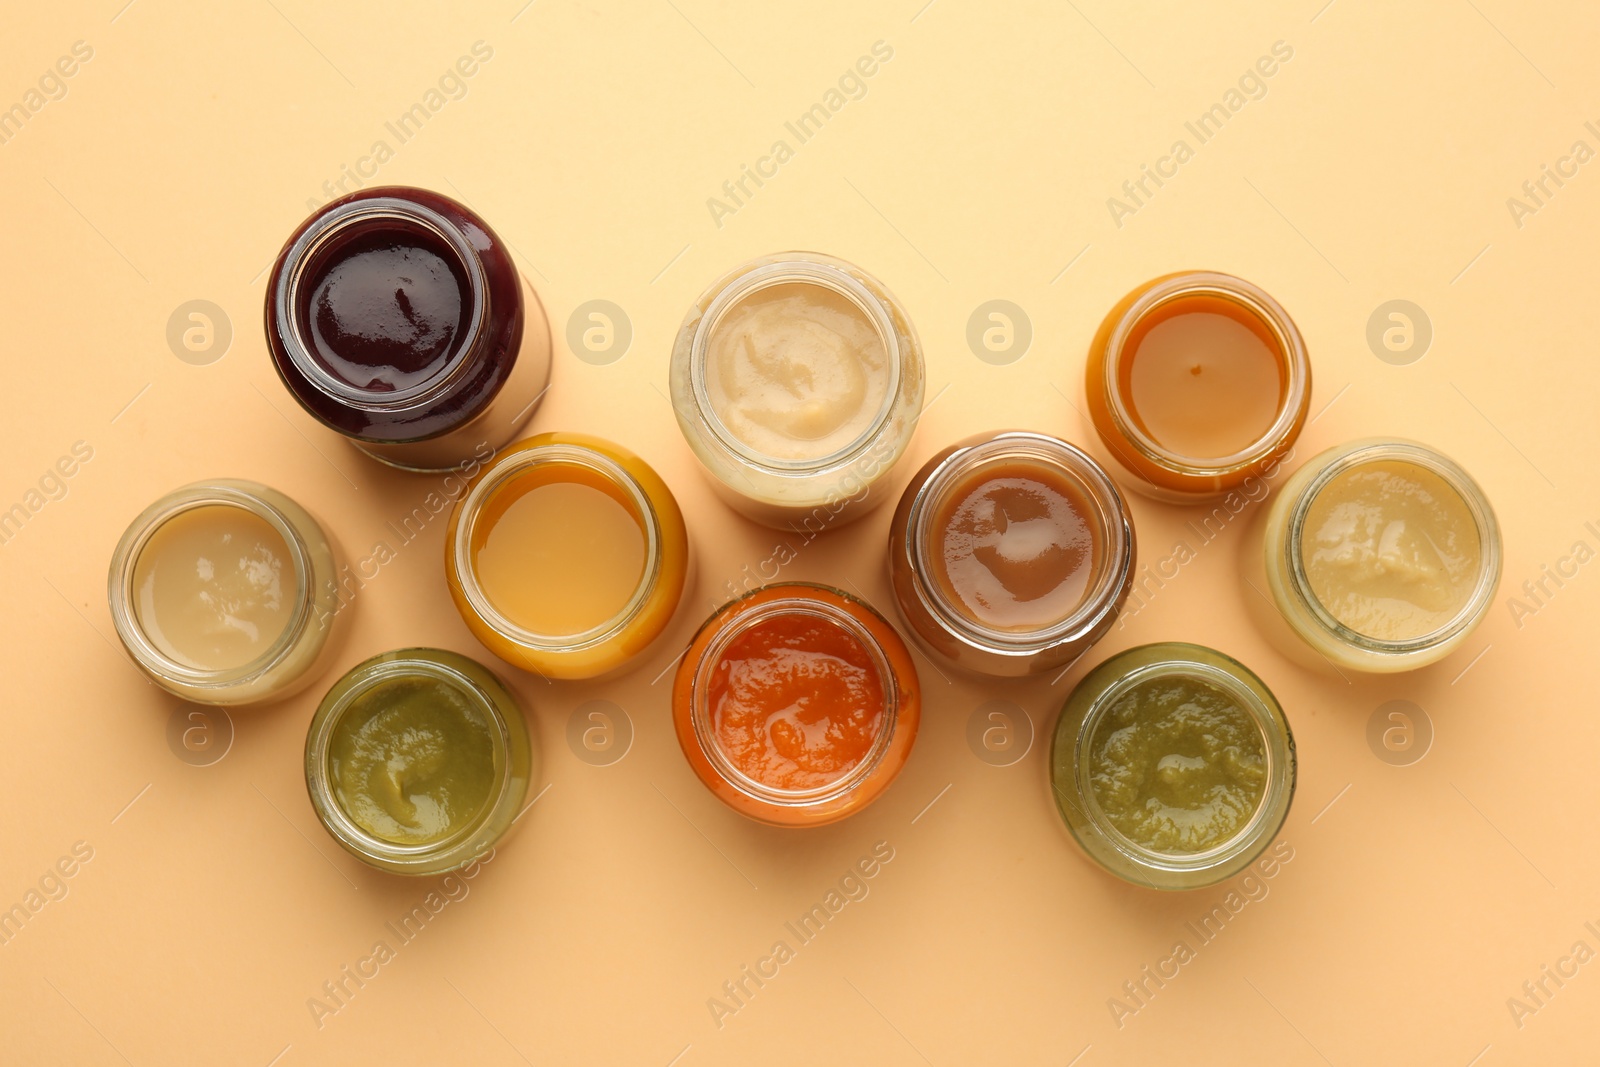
x=1011, y=553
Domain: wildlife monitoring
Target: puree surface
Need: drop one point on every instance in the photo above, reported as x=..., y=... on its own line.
x=1206, y=376
x=796, y=371
x=1014, y=548
x=557, y=552
x=412, y=761
x=796, y=702
x=386, y=310
x=1391, y=550
x=215, y=587
x=1177, y=765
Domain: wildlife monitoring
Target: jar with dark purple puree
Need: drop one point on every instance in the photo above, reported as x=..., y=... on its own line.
x=397, y=319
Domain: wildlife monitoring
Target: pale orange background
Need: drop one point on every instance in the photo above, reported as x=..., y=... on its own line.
x=977, y=167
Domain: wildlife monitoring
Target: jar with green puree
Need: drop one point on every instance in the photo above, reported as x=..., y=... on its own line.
x=418, y=760
x=1172, y=765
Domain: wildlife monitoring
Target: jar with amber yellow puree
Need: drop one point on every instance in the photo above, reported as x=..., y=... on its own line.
x=567, y=555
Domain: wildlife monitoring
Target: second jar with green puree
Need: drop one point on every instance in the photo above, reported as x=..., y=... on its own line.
x=1173, y=765
x=418, y=761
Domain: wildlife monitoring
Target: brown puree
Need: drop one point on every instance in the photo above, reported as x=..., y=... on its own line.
x=1014, y=546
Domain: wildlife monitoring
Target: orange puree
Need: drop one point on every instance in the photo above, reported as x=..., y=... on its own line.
x=796, y=701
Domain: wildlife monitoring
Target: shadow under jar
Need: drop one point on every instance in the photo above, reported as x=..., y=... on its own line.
x=225, y=592
x=567, y=556
x=797, y=380
x=796, y=705
x=396, y=318
x=1196, y=382
x=1011, y=553
x=418, y=761
x=1381, y=555
x=1173, y=766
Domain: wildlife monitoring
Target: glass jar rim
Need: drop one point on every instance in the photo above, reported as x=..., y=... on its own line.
x=123, y=599
x=368, y=675
x=499, y=475
x=323, y=230
x=1112, y=528
x=1295, y=364
x=1459, y=481
x=805, y=268
x=799, y=604
x=1267, y=716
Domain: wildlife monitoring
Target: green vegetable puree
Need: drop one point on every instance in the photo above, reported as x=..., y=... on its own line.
x=1177, y=765
x=411, y=761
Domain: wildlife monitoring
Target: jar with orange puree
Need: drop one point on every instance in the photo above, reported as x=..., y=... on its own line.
x=796, y=704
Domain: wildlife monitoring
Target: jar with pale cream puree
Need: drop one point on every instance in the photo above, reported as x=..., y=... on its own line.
x=1381, y=555
x=797, y=380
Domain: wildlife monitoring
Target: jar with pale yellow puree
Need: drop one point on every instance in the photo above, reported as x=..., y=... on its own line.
x=1381, y=555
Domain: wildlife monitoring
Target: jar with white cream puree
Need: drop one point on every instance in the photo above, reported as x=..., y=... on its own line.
x=797, y=380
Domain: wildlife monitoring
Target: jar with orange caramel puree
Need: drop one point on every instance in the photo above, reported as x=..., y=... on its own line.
x=1196, y=382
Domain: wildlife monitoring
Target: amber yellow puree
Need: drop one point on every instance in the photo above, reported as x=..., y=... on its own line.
x=1390, y=550
x=1205, y=376
x=560, y=553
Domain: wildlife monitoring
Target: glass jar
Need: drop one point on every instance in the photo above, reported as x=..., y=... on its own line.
x=1075, y=757
x=1250, y=348
x=255, y=667
x=500, y=758
x=809, y=654
x=1051, y=486
x=1449, y=569
x=573, y=620
x=396, y=318
x=842, y=452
